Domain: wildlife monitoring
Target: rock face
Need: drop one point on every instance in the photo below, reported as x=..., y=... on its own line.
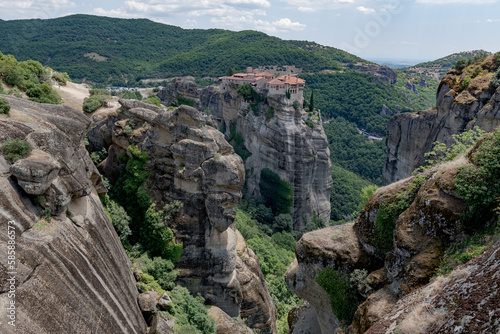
x=465, y=301
x=410, y=136
x=284, y=143
x=190, y=161
x=398, y=300
x=381, y=74
x=335, y=246
x=72, y=274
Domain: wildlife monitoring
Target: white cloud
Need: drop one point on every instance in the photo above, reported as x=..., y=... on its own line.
x=306, y=9
x=34, y=8
x=365, y=10
x=448, y=2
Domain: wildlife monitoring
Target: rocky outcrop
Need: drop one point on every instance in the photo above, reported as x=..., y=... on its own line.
x=381, y=74
x=459, y=107
x=397, y=296
x=336, y=247
x=465, y=301
x=71, y=274
x=282, y=142
x=190, y=161
x=285, y=144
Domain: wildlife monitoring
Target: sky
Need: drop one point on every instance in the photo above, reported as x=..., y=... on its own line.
x=372, y=29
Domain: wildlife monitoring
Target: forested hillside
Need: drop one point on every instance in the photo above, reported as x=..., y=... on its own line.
x=102, y=49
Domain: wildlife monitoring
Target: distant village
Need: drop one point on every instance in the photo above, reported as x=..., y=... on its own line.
x=266, y=81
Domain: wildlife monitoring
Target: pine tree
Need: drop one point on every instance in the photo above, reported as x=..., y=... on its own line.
x=311, y=102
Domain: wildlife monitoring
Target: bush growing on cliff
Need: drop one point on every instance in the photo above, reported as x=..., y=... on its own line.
x=162, y=270
x=43, y=94
x=93, y=102
x=15, y=149
x=190, y=312
x=389, y=212
x=495, y=80
x=479, y=184
x=343, y=299
x=4, y=106
x=441, y=152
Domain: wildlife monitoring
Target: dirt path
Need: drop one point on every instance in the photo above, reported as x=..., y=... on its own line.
x=73, y=94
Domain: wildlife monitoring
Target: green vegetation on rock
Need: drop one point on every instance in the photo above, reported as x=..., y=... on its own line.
x=389, y=212
x=479, y=184
x=275, y=253
x=4, y=106
x=15, y=149
x=277, y=193
x=339, y=288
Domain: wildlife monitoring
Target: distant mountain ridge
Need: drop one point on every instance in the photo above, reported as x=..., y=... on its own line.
x=451, y=60
x=103, y=49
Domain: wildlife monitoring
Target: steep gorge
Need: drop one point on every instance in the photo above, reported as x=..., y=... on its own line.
x=190, y=161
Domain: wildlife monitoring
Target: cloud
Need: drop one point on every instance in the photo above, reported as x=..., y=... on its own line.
x=448, y=2
x=34, y=8
x=319, y=5
x=365, y=10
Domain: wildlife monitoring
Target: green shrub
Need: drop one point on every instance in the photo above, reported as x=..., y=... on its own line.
x=343, y=299
x=190, y=312
x=61, y=78
x=15, y=149
x=98, y=156
x=441, y=152
x=466, y=82
x=236, y=140
x=43, y=94
x=15, y=92
x=181, y=100
x=4, y=106
x=93, y=102
x=99, y=91
x=461, y=64
x=120, y=220
x=158, y=237
x=269, y=113
x=495, y=80
x=479, y=184
x=132, y=95
x=162, y=270
x=47, y=214
x=461, y=252
x=277, y=193
x=154, y=100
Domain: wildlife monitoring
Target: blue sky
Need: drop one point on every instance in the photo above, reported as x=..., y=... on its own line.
x=389, y=29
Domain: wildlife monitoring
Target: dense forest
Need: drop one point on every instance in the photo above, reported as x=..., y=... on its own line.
x=102, y=50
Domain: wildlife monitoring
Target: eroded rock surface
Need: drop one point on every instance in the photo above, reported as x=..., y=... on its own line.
x=410, y=136
x=283, y=143
x=336, y=247
x=72, y=274
x=190, y=161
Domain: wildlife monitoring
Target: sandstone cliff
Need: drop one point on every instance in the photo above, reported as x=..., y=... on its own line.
x=460, y=105
x=190, y=161
x=283, y=142
x=72, y=274
x=394, y=297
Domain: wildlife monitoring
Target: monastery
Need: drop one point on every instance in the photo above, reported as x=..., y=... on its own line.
x=267, y=82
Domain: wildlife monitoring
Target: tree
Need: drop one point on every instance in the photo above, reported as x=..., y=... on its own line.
x=311, y=101
x=277, y=193
x=230, y=71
